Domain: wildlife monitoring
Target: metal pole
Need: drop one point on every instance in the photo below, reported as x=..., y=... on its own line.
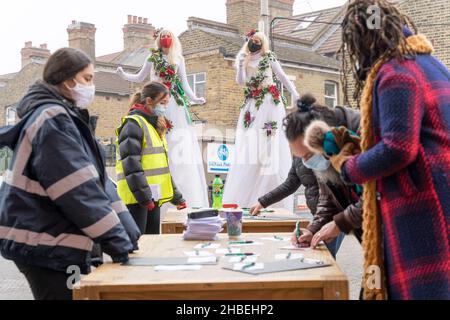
x=265, y=16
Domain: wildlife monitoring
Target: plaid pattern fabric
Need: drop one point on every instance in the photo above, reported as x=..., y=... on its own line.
x=411, y=163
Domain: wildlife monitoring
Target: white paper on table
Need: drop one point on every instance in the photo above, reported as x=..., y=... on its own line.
x=284, y=256
x=210, y=259
x=314, y=261
x=281, y=239
x=246, y=244
x=210, y=246
x=179, y=268
x=241, y=266
x=198, y=253
x=227, y=251
x=246, y=260
x=294, y=248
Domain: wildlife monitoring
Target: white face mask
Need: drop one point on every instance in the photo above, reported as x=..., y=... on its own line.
x=317, y=163
x=83, y=95
x=160, y=110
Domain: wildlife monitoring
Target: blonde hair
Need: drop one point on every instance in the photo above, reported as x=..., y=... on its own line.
x=264, y=42
x=175, y=51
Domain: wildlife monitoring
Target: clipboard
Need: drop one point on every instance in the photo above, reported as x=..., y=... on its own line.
x=150, y=262
x=280, y=266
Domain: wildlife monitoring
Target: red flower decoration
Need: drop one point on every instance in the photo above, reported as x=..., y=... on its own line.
x=170, y=71
x=256, y=93
x=169, y=125
x=162, y=75
x=251, y=33
x=168, y=84
x=274, y=91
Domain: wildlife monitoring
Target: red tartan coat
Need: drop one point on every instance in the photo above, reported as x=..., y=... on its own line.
x=411, y=163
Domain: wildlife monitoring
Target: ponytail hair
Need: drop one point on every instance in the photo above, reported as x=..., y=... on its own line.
x=136, y=99
x=151, y=90
x=296, y=123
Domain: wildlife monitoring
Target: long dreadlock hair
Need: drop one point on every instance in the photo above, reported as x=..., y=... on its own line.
x=364, y=46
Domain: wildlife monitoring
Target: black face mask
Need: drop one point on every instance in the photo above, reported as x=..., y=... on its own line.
x=253, y=47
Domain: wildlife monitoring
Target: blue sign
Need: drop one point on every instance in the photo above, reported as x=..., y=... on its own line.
x=223, y=153
x=220, y=157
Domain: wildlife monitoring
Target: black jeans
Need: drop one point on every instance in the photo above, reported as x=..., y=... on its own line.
x=147, y=221
x=46, y=284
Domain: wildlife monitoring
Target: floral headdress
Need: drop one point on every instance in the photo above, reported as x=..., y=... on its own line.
x=251, y=34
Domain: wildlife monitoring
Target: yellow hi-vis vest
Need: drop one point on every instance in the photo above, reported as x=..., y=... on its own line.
x=154, y=162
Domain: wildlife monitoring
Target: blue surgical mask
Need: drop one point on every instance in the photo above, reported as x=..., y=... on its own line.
x=317, y=163
x=160, y=110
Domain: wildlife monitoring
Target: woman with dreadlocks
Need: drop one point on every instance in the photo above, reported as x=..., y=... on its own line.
x=166, y=65
x=404, y=94
x=262, y=150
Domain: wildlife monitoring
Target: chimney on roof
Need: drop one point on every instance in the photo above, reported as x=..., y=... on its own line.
x=245, y=14
x=137, y=33
x=30, y=53
x=82, y=37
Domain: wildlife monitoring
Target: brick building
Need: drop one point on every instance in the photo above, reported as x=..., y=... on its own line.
x=306, y=50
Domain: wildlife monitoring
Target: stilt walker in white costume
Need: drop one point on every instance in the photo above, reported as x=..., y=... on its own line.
x=263, y=157
x=166, y=65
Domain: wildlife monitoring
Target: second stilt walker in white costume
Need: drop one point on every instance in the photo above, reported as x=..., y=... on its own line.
x=263, y=158
x=166, y=65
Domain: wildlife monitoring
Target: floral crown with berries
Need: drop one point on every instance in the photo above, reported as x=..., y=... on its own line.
x=251, y=33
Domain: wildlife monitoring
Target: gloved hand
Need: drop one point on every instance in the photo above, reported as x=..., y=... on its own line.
x=151, y=206
x=347, y=152
x=343, y=136
x=200, y=101
x=135, y=247
x=120, y=71
x=122, y=258
x=182, y=206
x=242, y=57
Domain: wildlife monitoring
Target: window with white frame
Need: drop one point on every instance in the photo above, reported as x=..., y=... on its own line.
x=197, y=81
x=305, y=23
x=11, y=116
x=289, y=96
x=331, y=94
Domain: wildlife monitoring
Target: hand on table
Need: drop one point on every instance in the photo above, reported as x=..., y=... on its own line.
x=328, y=233
x=302, y=241
x=256, y=209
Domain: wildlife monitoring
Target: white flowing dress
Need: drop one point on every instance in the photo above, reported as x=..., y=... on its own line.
x=185, y=156
x=262, y=163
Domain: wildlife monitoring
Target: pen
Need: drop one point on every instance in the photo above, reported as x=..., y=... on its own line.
x=289, y=255
x=206, y=245
x=278, y=238
x=249, y=265
x=298, y=231
x=241, y=242
x=239, y=254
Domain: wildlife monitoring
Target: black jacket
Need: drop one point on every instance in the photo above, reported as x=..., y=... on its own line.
x=299, y=175
x=56, y=200
x=130, y=148
x=336, y=201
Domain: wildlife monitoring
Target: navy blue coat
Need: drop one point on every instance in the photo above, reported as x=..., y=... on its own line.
x=56, y=200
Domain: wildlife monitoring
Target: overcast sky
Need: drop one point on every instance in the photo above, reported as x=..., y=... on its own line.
x=46, y=21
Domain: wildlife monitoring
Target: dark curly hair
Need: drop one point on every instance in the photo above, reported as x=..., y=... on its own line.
x=365, y=46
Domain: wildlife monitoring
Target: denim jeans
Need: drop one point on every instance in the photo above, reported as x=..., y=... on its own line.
x=335, y=244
